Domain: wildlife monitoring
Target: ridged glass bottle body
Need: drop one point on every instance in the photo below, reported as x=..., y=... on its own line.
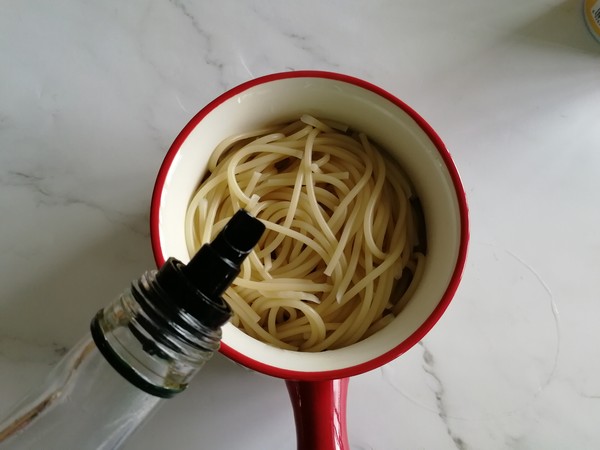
x=85, y=404
x=86, y=401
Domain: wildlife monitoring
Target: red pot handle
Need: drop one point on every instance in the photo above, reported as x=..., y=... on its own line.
x=320, y=413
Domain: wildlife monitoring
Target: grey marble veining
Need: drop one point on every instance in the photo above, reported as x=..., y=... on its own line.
x=93, y=94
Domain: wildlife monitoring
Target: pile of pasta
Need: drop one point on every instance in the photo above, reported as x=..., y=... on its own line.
x=340, y=255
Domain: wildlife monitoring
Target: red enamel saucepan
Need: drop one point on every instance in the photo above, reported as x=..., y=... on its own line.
x=317, y=382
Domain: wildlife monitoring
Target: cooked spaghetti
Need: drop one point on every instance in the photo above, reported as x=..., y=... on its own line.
x=339, y=256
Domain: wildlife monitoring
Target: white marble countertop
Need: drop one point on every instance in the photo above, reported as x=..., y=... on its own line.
x=93, y=93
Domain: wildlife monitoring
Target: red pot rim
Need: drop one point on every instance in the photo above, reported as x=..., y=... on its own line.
x=458, y=187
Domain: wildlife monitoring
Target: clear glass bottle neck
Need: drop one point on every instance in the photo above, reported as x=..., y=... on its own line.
x=154, y=345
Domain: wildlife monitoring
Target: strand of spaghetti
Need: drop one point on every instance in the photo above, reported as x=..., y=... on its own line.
x=385, y=287
x=295, y=295
x=349, y=225
x=298, y=270
x=327, y=242
x=225, y=144
x=351, y=272
x=317, y=329
x=305, y=228
x=316, y=190
x=308, y=229
x=379, y=172
x=257, y=268
x=292, y=324
x=242, y=308
x=300, y=330
x=366, y=302
x=297, y=236
x=288, y=314
x=296, y=135
x=315, y=123
x=327, y=199
x=418, y=274
x=268, y=138
x=261, y=158
x=378, y=304
x=211, y=214
x=373, y=274
x=265, y=336
x=333, y=178
x=210, y=184
x=307, y=265
x=340, y=153
x=197, y=218
x=250, y=295
x=339, y=315
x=253, y=202
x=353, y=192
x=272, y=321
x=273, y=153
x=278, y=284
x=330, y=341
x=192, y=234
x=252, y=183
x=252, y=266
x=344, y=203
x=232, y=167
x=352, y=263
x=382, y=217
x=352, y=162
x=310, y=190
x=291, y=211
x=335, y=141
x=322, y=160
x=378, y=325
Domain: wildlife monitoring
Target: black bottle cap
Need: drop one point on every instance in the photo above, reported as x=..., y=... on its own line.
x=197, y=287
x=216, y=265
